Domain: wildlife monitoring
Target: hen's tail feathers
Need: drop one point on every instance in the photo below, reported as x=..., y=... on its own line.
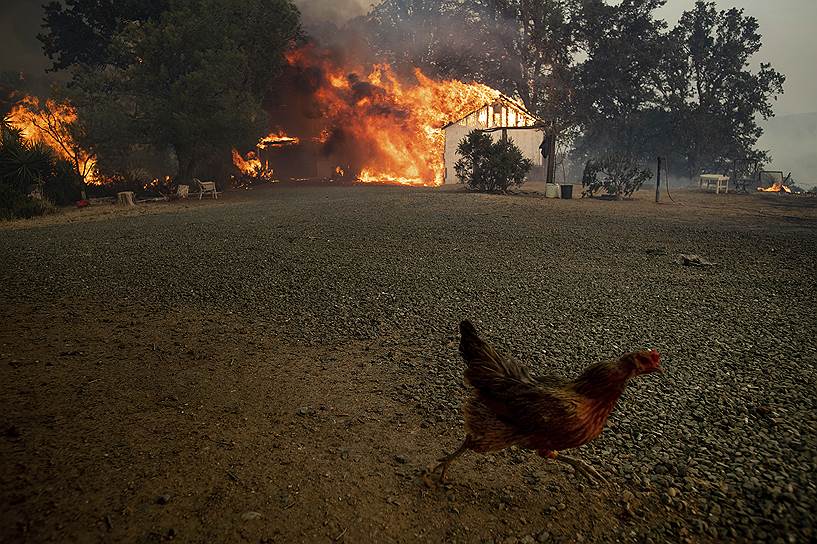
x=470, y=342
x=487, y=370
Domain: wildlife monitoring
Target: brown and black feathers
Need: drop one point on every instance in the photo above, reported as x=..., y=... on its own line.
x=488, y=371
x=507, y=406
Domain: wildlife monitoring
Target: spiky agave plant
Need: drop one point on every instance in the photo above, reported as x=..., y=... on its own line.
x=23, y=165
x=23, y=168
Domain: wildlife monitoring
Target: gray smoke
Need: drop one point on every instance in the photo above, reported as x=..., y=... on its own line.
x=319, y=13
x=789, y=43
x=792, y=140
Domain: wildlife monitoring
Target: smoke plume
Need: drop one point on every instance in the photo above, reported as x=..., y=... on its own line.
x=319, y=15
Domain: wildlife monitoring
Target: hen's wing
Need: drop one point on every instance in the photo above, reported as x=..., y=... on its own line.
x=506, y=387
x=487, y=370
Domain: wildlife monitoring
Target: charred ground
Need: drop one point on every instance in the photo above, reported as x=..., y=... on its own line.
x=279, y=366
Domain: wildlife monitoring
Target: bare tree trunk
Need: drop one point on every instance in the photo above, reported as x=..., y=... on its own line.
x=551, y=165
x=187, y=164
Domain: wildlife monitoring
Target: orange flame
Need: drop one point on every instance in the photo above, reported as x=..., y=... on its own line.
x=323, y=137
x=49, y=124
x=398, y=123
x=277, y=139
x=250, y=165
x=777, y=187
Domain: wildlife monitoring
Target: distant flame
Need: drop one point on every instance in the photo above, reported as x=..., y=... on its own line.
x=49, y=124
x=323, y=137
x=367, y=176
x=777, y=187
x=278, y=139
x=250, y=165
x=393, y=127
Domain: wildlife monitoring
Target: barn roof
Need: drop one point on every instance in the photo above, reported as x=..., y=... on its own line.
x=507, y=102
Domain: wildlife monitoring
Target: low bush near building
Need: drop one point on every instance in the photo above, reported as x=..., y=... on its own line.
x=490, y=166
x=619, y=175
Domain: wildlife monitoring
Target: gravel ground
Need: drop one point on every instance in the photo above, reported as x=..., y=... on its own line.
x=722, y=446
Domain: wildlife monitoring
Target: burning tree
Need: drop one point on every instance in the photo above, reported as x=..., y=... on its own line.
x=190, y=76
x=54, y=124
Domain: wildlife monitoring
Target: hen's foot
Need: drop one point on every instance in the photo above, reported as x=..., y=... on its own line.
x=425, y=477
x=580, y=466
x=445, y=461
x=442, y=466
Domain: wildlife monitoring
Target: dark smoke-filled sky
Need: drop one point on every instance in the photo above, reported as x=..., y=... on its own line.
x=790, y=44
x=789, y=40
x=19, y=25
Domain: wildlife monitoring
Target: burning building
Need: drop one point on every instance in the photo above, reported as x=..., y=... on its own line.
x=344, y=120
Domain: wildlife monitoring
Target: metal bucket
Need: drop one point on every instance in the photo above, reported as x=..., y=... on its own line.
x=567, y=191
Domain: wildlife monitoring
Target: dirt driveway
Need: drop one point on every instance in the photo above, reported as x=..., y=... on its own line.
x=281, y=367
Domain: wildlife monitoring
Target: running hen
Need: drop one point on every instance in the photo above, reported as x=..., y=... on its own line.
x=507, y=406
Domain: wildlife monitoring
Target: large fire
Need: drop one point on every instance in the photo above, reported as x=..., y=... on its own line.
x=379, y=127
x=49, y=124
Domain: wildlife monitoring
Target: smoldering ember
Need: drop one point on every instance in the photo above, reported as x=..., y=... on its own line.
x=408, y=271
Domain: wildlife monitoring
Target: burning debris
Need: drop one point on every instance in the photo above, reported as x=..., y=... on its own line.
x=342, y=121
x=251, y=168
x=779, y=183
x=277, y=140
x=776, y=188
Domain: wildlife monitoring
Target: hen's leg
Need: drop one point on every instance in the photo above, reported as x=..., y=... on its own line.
x=580, y=466
x=445, y=461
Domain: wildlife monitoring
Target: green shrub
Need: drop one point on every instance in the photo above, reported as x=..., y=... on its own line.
x=14, y=204
x=64, y=185
x=32, y=168
x=490, y=166
x=619, y=175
